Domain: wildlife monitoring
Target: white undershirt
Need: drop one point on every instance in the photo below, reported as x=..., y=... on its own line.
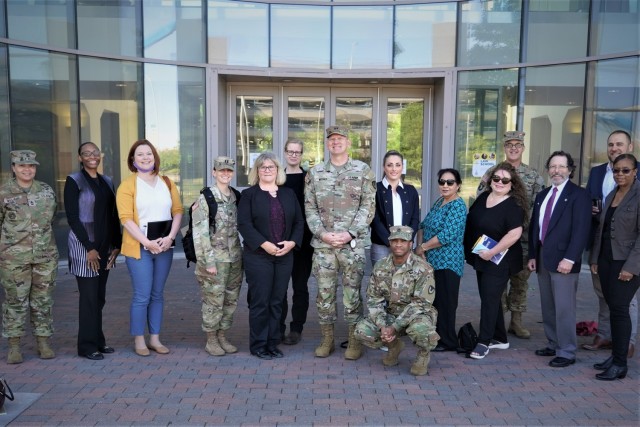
x=153, y=203
x=395, y=200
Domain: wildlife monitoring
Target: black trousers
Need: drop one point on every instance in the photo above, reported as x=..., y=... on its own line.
x=446, y=302
x=302, y=261
x=91, y=302
x=491, y=287
x=618, y=295
x=267, y=277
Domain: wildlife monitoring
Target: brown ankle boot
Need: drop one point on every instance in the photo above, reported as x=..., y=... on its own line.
x=421, y=364
x=516, y=327
x=44, y=350
x=226, y=345
x=327, y=345
x=354, y=348
x=395, y=347
x=213, y=345
x=15, y=355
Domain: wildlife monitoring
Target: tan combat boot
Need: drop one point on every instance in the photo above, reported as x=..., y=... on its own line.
x=421, y=363
x=213, y=346
x=226, y=345
x=516, y=328
x=327, y=346
x=354, y=348
x=15, y=356
x=395, y=347
x=44, y=350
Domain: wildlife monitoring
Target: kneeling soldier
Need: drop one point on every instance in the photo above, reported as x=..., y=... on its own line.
x=400, y=297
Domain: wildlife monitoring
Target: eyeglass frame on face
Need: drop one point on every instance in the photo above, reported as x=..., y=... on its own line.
x=267, y=168
x=504, y=180
x=557, y=167
x=517, y=145
x=625, y=171
x=449, y=182
x=293, y=153
x=89, y=154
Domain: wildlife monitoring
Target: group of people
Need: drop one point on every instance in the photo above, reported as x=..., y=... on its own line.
x=293, y=223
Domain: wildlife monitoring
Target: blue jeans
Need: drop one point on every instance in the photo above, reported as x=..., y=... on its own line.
x=148, y=276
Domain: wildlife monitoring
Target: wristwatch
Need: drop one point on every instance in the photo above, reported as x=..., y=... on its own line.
x=352, y=242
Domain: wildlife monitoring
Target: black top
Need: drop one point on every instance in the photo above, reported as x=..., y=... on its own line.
x=295, y=181
x=494, y=222
x=607, y=252
x=383, y=218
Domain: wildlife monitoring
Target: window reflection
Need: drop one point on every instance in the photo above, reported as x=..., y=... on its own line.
x=405, y=133
x=357, y=115
x=362, y=37
x=254, y=132
x=45, y=22
x=110, y=27
x=5, y=131
x=615, y=26
x=300, y=36
x=306, y=123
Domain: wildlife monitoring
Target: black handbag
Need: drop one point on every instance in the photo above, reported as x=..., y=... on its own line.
x=5, y=392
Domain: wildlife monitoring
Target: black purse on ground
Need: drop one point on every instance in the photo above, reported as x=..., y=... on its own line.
x=5, y=392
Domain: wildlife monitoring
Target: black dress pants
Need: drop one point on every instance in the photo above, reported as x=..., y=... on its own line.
x=302, y=261
x=267, y=277
x=618, y=295
x=446, y=302
x=91, y=302
x=491, y=286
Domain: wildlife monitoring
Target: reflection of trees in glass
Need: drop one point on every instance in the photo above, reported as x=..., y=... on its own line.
x=494, y=39
x=405, y=134
x=170, y=161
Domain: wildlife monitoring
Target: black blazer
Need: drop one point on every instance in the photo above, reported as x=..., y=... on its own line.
x=568, y=230
x=254, y=217
x=383, y=218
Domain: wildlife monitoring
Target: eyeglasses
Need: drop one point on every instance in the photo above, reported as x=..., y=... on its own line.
x=496, y=178
x=558, y=167
x=449, y=182
x=517, y=145
x=623, y=171
x=293, y=153
x=87, y=154
x=267, y=168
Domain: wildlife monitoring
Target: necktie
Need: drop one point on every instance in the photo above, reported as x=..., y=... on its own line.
x=547, y=214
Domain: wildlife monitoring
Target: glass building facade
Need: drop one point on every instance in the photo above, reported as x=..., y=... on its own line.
x=441, y=81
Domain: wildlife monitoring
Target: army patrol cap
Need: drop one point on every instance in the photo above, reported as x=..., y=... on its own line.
x=222, y=162
x=23, y=157
x=337, y=130
x=401, y=232
x=513, y=134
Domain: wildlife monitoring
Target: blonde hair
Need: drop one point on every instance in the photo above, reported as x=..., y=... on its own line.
x=253, y=174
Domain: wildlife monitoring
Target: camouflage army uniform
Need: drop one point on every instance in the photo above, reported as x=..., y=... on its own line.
x=338, y=200
x=223, y=251
x=401, y=297
x=516, y=299
x=28, y=257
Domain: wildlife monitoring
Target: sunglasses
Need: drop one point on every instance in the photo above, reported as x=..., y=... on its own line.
x=496, y=178
x=448, y=182
x=623, y=171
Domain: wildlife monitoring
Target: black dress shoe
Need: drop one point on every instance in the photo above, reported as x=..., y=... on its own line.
x=561, y=362
x=292, y=339
x=106, y=350
x=545, y=352
x=441, y=347
x=603, y=366
x=262, y=354
x=94, y=356
x=275, y=353
x=613, y=373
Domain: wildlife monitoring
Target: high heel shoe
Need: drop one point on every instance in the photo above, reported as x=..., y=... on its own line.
x=613, y=373
x=603, y=366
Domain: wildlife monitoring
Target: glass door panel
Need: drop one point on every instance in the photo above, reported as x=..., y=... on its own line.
x=254, y=132
x=306, y=122
x=405, y=133
x=356, y=113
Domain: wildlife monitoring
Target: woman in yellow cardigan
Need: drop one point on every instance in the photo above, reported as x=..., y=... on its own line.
x=150, y=211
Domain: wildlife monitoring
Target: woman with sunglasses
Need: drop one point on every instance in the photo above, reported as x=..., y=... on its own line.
x=615, y=258
x=397, y=203
x=440, y=240
x=499, y=215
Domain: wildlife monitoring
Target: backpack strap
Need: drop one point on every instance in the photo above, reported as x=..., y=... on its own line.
x=213, y=206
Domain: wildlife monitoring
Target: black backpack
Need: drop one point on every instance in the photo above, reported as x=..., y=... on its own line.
x=467, y=339
x=187, y=239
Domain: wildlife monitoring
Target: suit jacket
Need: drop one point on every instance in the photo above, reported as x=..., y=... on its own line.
x=254, y=217
x=568, y=229
x=625, y=231
x=383, y=218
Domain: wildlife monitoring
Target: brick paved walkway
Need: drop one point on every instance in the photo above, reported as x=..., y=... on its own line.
x=509, y=387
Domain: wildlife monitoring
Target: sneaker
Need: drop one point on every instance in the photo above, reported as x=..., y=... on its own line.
x=495, y=344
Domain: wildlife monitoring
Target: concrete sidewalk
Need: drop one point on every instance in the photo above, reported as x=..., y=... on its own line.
x=509, y=387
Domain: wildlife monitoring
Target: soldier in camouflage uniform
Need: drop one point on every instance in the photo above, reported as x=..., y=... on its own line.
x=400, y=300
x=339, y=204
x=219, y=255
x=28, y=255
x=515, y=299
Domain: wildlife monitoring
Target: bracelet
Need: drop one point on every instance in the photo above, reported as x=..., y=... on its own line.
x=422, y=246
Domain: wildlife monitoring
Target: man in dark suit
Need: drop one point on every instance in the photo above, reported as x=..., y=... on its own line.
x=558, y=233
x=599, y=186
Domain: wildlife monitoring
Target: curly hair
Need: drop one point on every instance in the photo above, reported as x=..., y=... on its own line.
x=518, y=190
